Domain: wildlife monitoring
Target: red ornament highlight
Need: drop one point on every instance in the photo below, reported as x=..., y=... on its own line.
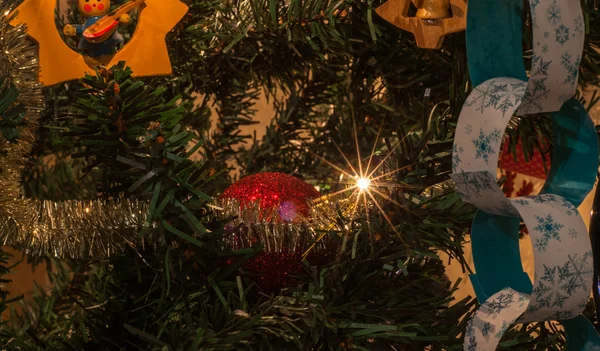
x=280, y=192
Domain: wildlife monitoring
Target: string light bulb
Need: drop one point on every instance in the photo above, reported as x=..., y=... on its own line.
x=363, y=183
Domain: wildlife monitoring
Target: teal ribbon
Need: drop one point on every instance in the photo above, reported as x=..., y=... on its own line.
x=494, y=37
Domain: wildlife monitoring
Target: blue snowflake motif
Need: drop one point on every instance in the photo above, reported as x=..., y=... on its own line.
x=487, y=327
x=532, y=308
x=540, y=199
x=549, y=230
x=546, y=34
x=496, y=135
x=498, y=96
x=550, y=197
x=506, y=209
x=570, y=208
x=472, y=344
x=532, y=101
x=499, y=303
x=456, y=160
x=480, y=183
x=468, y=129
x=502, y=330
x=541, y=244
x=553, y=14
x=522, y=202
x=573, y=233
x=551, y=291
x=545, y=48
x=484, y=144
x=472, y=183
x=548, y=227
x=562, y=34
x=577, y=272
x=565, y=59
x=522, y=300
x=540, y=67
x=481, y=97
x=579, y=25
x=506, y=96
x=572, y=67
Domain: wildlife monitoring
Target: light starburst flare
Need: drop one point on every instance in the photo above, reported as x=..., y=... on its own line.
x=362, y=187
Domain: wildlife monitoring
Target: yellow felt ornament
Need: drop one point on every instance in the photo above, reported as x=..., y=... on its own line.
x=146, y=53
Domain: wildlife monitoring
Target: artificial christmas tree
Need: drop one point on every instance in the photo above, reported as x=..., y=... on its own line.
x=126, y=213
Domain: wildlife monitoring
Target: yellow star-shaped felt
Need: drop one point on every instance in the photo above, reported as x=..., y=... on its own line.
x=146, y=53
x=428, y=34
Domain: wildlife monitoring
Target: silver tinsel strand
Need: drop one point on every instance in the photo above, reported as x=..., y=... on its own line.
x=74, y=229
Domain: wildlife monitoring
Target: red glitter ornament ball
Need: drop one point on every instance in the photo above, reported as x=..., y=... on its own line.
x=284, y=193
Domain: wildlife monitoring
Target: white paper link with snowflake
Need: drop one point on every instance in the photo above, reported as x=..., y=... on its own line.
x=493, y=318
x=558, y=29
x=483, y=120
x=482, y=190
x=562, y=257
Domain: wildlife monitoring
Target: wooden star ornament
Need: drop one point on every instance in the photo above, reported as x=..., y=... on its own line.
x=146, y=53
x=429, y=34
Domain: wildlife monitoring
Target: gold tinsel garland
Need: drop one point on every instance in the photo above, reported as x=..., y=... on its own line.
x=95, y=228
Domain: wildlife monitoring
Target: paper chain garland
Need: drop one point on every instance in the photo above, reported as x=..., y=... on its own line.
x=562, y=251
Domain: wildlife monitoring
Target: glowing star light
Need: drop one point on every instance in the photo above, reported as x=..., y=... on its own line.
x=146, y=53
x=363, y=183
x=364, y=186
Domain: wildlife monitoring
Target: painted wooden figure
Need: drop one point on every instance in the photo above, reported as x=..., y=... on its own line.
x=100, y=44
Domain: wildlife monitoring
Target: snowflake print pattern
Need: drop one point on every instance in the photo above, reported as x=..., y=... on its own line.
x=472, y=183
x=566, y=58
x=550, y=291
x=540, y=199
x=562, y=34
x=570, y=209
x=487, y=327
x=506, y=96
x=499, y=303
x=506, y=209
x=468, y=129
x=579, y=26
x=522, y=202
x=498, y=96
x=540, y=66
x=573, y=233
x=522, y=300
x=549, y=230
x=572, y=67
x=484, y=144
x=481, y=97
x=456, y=160
x=533, y=97
x=502, y=329
x=472, y=345
x=553, y=14
x=577, y=271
